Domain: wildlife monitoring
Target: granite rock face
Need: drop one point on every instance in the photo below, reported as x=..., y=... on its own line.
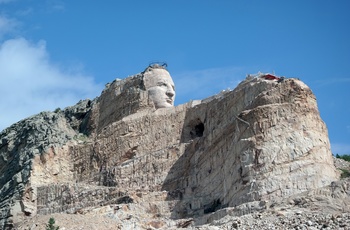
x=243, y=149
x=31, y=145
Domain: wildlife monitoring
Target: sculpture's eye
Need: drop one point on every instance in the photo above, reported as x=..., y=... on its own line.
x=162, y=84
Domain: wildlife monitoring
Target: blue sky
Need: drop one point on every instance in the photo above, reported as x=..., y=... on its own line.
x=54, y=52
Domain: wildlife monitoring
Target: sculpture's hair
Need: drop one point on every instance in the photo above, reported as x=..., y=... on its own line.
x=156, y=65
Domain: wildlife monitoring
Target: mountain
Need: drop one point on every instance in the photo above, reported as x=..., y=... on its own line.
x=255, y=156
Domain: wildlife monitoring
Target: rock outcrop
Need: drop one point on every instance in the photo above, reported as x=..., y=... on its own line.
x=228, y=155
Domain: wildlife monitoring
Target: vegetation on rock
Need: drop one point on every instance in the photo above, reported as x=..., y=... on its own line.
x=345, y=157
x=51, y=224
x=345, y=173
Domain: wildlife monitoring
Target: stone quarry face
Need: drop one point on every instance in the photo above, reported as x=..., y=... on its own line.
x=243, y=148
x=160, y=87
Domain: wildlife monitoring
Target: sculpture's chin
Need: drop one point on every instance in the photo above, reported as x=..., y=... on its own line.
x=164, y=105
x=169, y=105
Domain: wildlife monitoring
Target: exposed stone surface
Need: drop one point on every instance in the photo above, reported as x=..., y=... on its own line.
x=210, y=164
x=325, y=208
x=28, y=148
x=341, y=164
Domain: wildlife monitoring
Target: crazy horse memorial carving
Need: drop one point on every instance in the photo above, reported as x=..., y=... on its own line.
x=131, y=147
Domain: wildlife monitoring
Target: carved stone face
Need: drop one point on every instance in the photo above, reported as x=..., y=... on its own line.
x=160, y=87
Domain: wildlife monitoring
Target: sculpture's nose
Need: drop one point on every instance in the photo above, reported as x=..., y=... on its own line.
x=170, y=92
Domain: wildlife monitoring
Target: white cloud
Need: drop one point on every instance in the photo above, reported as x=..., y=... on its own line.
x=7, y=25
x=204, y=83
x=31, y=83
x=340, y=148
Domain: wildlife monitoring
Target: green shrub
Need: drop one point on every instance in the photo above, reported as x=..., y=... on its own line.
x=57, y=110
x=51, y=225
x=345, y=157
x=345, y=173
